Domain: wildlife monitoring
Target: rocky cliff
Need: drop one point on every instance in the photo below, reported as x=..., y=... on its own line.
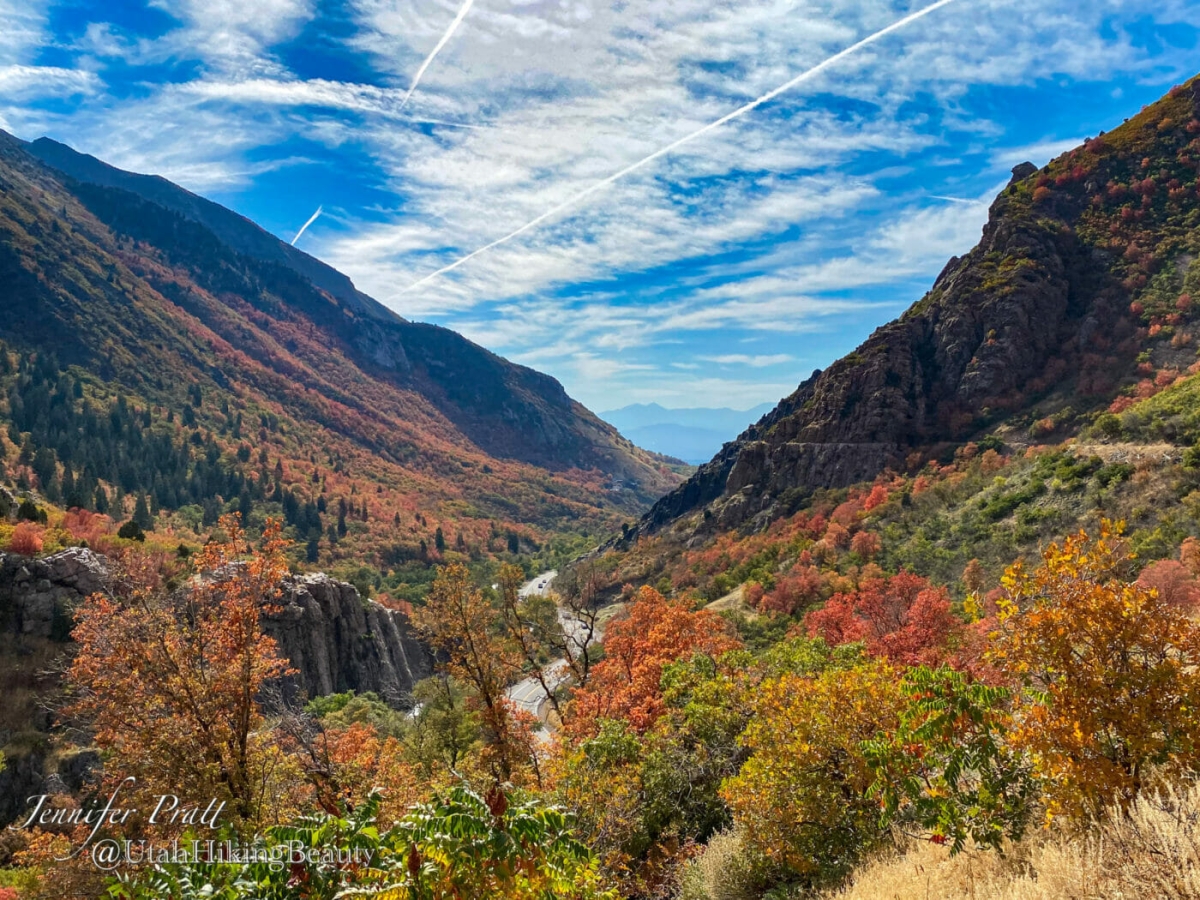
x=336, y=640
x=1042, y=304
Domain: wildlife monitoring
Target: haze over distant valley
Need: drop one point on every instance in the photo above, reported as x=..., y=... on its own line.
x=693, y=435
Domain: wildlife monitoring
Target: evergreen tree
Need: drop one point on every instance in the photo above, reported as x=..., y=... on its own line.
x=439, y=540
x=141, y=514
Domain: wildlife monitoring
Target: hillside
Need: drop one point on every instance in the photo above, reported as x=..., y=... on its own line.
x=1079, y=289
x=163, y=353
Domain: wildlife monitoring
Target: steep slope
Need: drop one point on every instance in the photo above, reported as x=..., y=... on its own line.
x=148, y=358
x=236, y=232
x=507, y=410
x=1037, y=319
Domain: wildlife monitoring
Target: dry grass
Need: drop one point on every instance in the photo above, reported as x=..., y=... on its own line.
x=1151, y=854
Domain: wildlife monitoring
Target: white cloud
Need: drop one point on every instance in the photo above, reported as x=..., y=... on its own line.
x=233, y=35
x=23, y=83
x=23, y=29
x=742, y=359
x=783, y=223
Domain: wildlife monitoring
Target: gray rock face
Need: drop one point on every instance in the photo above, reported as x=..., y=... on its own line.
x=1020, y=312
x=39, y=596
x=337, y=641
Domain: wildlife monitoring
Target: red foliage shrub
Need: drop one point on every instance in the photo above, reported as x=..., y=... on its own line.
x=1184, y=303
x=1165, y=378
x=837, y=536
x=866, y=544
x=1041, y=194
x=652, y=633
x=753, y=594
x=27, y=539
x=800, y=587
x=1189, y=555
x=83, y=525
x=1136, y=308
x=1174, y=582
x=904, y=618
x=846, y=514
x=990, y=462
x=877, y=497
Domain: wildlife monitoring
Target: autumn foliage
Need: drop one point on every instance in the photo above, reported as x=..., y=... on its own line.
x=652, y=633
x=1108, y=674
x=171, y=683
x=904, y=618
x=460, y=623
x=27, y=539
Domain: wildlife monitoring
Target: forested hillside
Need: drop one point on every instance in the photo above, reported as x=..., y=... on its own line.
x=154, y=369
x=930, y=628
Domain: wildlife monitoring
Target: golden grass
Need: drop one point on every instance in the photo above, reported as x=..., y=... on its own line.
x=1153, y=853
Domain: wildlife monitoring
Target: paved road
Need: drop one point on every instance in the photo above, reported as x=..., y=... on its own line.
x=528, y=694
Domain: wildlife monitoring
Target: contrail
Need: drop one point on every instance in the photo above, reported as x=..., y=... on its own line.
x=674, y=145
x=304, y=227
x=462, y=14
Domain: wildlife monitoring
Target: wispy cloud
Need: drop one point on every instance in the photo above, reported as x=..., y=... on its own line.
x=416, y=79
x=800, y=225
x=304, y=227
x=742, y=359
x=603, y=183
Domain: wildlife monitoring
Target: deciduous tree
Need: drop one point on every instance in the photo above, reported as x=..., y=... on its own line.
x=171, y=682
x=1108, y=671
x=652, y=633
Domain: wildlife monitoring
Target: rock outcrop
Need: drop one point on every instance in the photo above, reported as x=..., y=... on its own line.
x=1041, y=303
x=335, y=640
x=39, y=596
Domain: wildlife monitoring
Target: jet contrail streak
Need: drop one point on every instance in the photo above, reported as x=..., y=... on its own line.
x=304, y=227
x=674, y=145
x=462, y=14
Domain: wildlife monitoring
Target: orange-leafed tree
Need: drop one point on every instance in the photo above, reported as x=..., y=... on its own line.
x=27, y=539
x=1108, y=674
x=904, y=618
x=652, y=633
x=462, y=625
x=1174, y=581
x=171, y=683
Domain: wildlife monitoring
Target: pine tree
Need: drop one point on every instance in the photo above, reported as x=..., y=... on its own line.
x=439, y=540
x=141, y=514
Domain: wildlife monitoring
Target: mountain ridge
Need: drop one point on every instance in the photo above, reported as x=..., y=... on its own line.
x=131, y=326
x=1047, y=300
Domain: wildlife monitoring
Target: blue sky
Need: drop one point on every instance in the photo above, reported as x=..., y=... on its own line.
x=719, y=275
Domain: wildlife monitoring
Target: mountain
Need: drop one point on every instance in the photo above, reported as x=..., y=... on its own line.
x=235, y=232
x=1080, y=286
x=159, y=347
x=693, y=435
